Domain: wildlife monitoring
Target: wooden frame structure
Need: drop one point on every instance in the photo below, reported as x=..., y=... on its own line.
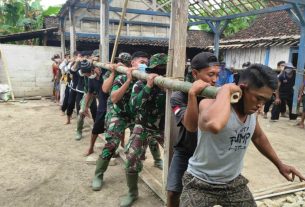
x=216, y=13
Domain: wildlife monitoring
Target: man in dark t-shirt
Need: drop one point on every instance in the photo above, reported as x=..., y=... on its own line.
x=205, y=69
x=284, y=94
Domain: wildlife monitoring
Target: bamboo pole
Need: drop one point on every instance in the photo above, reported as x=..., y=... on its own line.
x=172, y=84
x=115, y=47
x=278, y=194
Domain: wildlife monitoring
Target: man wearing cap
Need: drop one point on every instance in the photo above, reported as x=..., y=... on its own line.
x=205, y=69
x=147, y=102
x=284, y=93
x=83, y=100
x=86, y=73
x=118, y=117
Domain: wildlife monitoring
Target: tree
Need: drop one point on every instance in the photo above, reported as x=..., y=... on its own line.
x=23, y=15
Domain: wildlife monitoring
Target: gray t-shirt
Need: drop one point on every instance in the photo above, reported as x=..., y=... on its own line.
x=218, y=158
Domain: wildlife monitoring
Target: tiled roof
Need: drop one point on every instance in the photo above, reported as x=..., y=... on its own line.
x=195, y=39
x=275, y=24
x=267, y=30
x=50, y=21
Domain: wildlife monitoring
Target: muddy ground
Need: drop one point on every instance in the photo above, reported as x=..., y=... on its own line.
x=42, y=165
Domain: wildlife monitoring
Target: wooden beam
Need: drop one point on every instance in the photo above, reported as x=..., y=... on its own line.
x=62, y=37
x=104, y=31
x=175, y=68
x=72, y=31
x=116, y=42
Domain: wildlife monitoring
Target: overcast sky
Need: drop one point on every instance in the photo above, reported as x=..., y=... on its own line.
x=47, y=3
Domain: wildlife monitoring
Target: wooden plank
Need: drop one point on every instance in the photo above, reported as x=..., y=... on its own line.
x=62, y=37
x=72, y=31
x=104, y=31
x=175, y=68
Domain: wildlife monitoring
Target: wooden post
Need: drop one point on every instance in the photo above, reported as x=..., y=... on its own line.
x=72, y=31
x=175, y=68
x=62, y=37
x=116, y=42
x=104, y=31
x=45, y=38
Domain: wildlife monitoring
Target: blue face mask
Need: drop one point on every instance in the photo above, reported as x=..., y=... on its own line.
x=142, y=67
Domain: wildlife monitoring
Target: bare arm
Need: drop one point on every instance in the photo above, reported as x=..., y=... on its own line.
x=262, y=143
x=118, y=94
x=108, y=83
x=190, y=118
x=214, y=115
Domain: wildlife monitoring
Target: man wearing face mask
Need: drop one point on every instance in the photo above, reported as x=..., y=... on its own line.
x=147, y=102
x=284, y=93
x=118, y=117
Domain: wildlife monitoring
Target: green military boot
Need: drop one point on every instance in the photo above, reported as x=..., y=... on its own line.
x=133, y=193
x=79, y=127
x=101, y=167
x=155, y=151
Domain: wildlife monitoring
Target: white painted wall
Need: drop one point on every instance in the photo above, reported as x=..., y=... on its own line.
x=82, y=26
x=29, y=68
x=236, y=57
x=277, y=54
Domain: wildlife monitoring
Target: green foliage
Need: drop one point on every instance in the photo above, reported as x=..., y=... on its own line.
x=51, y=10
x=234, y=26
x=23, y=15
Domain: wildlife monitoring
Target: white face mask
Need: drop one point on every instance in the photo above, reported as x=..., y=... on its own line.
x=92, y=76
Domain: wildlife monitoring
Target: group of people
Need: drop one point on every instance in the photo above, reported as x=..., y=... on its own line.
x=283, y=95
x=213, y=137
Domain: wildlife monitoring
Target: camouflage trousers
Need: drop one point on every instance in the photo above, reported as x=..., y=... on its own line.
x=115, y=125
x=136, y=147
x=197, y=193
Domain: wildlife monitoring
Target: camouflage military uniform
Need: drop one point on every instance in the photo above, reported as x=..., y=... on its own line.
x=118, y=118
x=149, y=106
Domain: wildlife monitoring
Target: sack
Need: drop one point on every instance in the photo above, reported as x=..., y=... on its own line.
x=5, y=93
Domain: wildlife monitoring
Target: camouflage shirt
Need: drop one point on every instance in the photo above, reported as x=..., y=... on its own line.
x=149, y=105
x=122, y=106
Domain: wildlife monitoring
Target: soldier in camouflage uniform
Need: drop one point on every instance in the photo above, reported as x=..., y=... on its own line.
x=148, y=103
x=118, y=118
x=99, y=124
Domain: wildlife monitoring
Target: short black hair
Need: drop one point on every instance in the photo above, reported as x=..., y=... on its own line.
x=246, y=64
x=139, y=54
x=280, y=63
x=259, y=75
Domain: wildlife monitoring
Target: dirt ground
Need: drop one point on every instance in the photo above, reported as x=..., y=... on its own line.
x=42, y=165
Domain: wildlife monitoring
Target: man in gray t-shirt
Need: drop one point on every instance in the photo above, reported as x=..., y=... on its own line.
x=225, y=130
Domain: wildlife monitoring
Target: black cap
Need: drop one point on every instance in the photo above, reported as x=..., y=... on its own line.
x=204, y=60
x=85, y=66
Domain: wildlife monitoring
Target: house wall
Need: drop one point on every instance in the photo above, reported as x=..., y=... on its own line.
x=93, y=26
x=236, y=57
x=277, y=54
x=29, y=68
